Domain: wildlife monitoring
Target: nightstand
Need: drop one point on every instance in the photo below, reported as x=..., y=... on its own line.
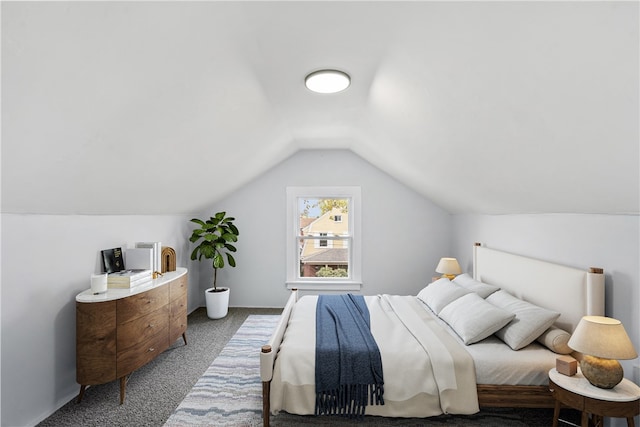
x=622, y=401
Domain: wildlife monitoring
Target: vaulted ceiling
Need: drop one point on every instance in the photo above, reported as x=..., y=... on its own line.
x=489, y=107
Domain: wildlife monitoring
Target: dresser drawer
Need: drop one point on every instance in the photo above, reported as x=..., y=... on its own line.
x=177, y=320
x=178, y=288
x=95, y=342
x=141, y=304
x=178, y=306
x=142, y=328
x=141, y=353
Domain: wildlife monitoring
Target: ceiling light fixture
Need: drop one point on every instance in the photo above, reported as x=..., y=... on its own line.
x=327, y=81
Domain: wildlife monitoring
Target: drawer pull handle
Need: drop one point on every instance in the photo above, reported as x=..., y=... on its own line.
x=151, y=325
x=151, y=349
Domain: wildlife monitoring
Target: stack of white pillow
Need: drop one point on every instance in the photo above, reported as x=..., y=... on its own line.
x=476, y=310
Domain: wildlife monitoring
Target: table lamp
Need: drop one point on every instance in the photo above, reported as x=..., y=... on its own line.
x=602, y=340
x=449, y=267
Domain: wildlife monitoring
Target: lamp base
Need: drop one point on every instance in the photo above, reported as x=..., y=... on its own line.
x=449, y=276
x=603, y=373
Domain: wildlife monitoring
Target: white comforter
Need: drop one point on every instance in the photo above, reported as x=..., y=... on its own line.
x=426, y=371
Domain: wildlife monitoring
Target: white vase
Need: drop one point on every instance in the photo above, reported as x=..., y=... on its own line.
x=217, y=302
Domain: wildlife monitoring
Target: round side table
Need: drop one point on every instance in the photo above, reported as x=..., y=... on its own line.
x=622, y=401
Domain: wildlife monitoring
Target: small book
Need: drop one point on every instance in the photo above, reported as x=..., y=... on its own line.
x=156, y=247
x=128, y=276
x=112, y=260
x=139, y=258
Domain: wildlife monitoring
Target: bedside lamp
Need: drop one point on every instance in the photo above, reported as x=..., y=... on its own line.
x=602, y=340
x=449, y=267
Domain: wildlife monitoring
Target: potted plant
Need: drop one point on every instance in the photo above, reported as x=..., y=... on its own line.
x=216, y=236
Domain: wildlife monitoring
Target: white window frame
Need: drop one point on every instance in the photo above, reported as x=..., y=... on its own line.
x=354, y=281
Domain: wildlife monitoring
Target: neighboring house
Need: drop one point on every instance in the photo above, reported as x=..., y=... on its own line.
x=318, y=253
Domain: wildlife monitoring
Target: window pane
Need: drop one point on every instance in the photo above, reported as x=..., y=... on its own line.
x=319, y=256
x=320, y=261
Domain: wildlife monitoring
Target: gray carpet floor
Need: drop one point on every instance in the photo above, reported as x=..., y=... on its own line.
x=155, y=390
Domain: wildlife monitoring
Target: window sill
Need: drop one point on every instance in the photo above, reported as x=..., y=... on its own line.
x=325, y=286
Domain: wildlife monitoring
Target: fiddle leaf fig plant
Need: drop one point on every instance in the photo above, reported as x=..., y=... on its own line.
x=216, y=236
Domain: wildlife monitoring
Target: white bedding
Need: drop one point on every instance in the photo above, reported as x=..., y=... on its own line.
x=408, y=347
x=407, y=392
x=497, y=364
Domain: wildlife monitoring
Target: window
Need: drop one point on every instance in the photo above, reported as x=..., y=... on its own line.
x=321, y=243
x=323, y=238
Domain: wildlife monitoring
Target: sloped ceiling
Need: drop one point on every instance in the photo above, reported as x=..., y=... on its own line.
x=487, y=107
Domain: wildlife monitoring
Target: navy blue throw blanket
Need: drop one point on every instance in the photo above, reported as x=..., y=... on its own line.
x=348, y=362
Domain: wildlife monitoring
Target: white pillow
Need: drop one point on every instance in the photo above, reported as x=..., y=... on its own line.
x=440, y=293
x=468, y=282
x=529, y=323
x=556, y=340
x=473, y=318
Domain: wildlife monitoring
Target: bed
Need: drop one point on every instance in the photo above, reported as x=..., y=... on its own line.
x=508, y=370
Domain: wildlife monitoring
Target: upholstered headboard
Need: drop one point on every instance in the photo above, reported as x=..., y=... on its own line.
x=572, y=292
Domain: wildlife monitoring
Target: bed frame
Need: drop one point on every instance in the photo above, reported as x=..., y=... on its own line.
x=570, y=291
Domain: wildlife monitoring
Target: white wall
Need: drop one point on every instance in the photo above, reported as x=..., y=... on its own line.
x=404, y=234
x=46, y=261
x=611, y=242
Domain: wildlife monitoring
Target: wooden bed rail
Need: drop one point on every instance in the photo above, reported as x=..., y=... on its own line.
x=515, y=396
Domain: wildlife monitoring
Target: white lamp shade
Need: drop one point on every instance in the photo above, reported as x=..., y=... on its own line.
x=602, y=337
x=448, y=266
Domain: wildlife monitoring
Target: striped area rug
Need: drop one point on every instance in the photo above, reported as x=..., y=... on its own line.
x=230, y=392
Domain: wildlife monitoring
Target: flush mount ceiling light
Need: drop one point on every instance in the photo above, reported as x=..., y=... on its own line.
x=327, y=81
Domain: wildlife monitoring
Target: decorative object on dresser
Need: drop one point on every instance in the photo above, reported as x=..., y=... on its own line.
x=156, y=248
x=139, y=258
x=127, y=279
x=602, y=340
x=168, y=258
x=121, y=330
x=449, y=268
x=112, y=260
x=217, y=234
x=98, y=283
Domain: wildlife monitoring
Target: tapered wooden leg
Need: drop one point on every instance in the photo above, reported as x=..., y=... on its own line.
x=584, y=419
x=82, y=388
x=556, y=413
x=123, y=387
x=630, y=422
x=184, y=337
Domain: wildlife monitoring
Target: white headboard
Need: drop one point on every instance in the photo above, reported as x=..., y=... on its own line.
x=572, y=292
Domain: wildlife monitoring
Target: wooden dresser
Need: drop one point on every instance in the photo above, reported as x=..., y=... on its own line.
x=124, y=329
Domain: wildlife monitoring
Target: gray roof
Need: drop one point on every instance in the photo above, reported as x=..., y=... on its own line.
x=331, y=256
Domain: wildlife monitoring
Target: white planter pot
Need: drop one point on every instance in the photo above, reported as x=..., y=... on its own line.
x=217, y=302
